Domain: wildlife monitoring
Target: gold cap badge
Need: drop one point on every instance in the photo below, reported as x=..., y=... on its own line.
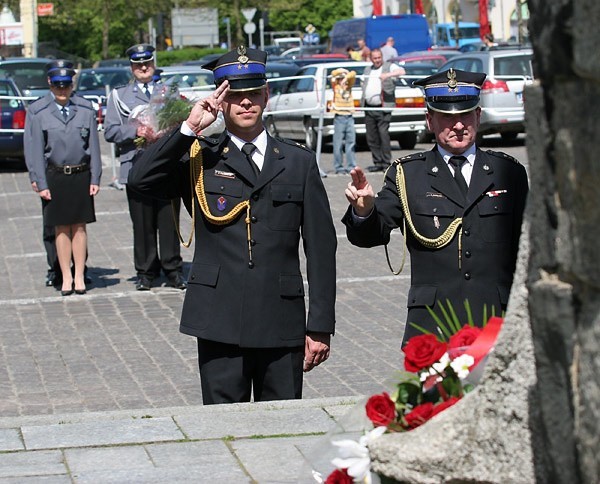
x=451, y=75
x=242, y=57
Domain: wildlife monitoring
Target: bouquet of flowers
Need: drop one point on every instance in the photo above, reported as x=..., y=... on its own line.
x=439, y=371
x=166, y=110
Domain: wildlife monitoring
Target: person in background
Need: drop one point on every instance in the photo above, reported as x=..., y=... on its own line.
x=460, y=208
x=388, y=51
x=364, y=51
x=353, y=54
x=378, y=96
x=256, y=200
x=63, y=152
x=344, y=134
x=488, y=41
x=155, y=241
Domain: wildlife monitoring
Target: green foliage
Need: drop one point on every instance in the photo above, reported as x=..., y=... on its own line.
x=174, y=112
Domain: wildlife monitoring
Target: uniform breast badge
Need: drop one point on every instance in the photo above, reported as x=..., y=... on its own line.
x=221, y=204
x=436, y=222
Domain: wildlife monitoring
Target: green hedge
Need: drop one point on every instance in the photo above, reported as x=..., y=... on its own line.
x=171, y=57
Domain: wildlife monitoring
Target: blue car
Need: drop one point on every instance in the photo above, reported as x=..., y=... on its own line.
x=12, y=120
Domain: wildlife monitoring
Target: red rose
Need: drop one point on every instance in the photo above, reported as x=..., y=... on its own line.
x=422, y=351
x=444, y=405
x=381, y=410
x=339, y=476
x=419, y=415
x=459, y=342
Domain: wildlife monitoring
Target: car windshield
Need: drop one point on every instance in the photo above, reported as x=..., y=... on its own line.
x=94, y=80
x=27, y=75
x=189, y=79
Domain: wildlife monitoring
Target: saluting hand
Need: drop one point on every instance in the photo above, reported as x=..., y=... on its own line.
x=359, y=193
x=205, y=111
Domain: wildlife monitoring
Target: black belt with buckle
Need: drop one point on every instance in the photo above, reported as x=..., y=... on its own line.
x=70, y=169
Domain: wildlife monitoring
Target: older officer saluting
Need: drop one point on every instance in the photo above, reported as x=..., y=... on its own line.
x=460, y=209
x=254, y=197
x=148, y=216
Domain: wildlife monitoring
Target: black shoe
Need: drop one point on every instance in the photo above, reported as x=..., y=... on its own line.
x=51, y=278
x=177, y=281
x=144, y=283
x=375, y=168
x=68, y=292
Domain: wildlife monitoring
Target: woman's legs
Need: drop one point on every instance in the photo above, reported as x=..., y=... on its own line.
x=64, y=251
x=79, y=247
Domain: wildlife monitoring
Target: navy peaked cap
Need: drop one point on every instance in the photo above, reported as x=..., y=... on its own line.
x=140, y=53
x=452, y=90
x=243, y=68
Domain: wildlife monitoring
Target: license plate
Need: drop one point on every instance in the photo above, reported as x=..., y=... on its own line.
x=520, y=97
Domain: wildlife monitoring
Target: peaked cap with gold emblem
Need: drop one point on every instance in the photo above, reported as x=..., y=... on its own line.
x=243, y=68
x=452, y=91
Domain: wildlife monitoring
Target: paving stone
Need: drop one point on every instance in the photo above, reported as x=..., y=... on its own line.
x=10, y=440
x=254, y=423
x=104, y=433
x=38, y=463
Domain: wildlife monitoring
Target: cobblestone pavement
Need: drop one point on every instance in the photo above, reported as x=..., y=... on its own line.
x=116, y=348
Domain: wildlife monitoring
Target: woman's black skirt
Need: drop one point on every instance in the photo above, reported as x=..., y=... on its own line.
x=71, y=201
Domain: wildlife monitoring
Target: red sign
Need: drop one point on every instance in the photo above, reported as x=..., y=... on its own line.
x=45, y=9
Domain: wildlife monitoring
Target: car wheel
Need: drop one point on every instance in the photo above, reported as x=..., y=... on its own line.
x=270, y=126
x=310, y=135
x=509, y=135
x=407, y=141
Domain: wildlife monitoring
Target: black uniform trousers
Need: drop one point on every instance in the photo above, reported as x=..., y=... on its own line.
x=230, y=374
x=377, y=125
x=151, y=252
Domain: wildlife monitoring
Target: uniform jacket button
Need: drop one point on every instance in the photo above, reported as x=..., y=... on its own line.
x=250, y=265
x=467, y=275
x=253, y=219
x=252, y=242
x=466, y=233
x=467, y=253
x=255, y=197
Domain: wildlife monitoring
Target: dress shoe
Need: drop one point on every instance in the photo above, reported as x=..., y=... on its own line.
x=67, y=292
x=177, y=281
x=375, y=168
x=51, y=278
x=143, y=283
x=80, y=291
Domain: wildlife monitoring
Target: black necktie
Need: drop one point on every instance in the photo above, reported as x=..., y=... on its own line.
x=457, y=162
x=146, y=91
x=64, y=112
x=248, y=149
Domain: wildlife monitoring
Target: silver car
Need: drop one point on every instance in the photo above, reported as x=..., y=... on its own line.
x=508, y=72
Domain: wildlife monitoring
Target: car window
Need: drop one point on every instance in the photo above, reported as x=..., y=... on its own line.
x=303, y=85
x=27, y=75
x=190, y=79
x=7, y=89
x=513, y=66
x=469, y=65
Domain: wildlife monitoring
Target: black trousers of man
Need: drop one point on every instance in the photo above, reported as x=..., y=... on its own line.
x=377, y=125
x=155, y=240
x=230, y=374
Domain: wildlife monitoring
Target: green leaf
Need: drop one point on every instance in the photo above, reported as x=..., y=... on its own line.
x=453, y=322
x=445, y=332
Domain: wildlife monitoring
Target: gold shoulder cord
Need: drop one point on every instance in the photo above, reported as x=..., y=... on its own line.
x=197, y=182
x=436, y=243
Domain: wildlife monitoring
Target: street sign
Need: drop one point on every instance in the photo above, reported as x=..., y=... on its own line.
x=249, y=13
x=45, y=9
x=250, y=27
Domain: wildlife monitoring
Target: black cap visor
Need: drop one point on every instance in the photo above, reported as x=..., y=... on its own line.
x=453, y=104
x=61, y=83
x=244, y=83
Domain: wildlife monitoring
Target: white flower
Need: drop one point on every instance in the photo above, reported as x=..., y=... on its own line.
x=462, y=364
x=436, y=369
x=354, y=456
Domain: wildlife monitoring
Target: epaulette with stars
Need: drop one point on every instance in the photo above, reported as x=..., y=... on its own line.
x=420, y=155
x=501, y=154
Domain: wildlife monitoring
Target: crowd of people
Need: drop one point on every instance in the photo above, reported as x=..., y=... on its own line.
x=257, y=200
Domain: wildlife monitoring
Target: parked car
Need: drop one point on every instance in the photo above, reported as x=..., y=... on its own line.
x=12, y=120
x=508, y=72
x=113, y=63
x=295, y=112
x=193, y=81
x=92, y=84
x=437, y=57
x=29, y=74
x=279, y=70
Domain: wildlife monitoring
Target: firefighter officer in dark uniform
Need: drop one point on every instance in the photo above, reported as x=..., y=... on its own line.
x=255, y=198
x=155, y=242
x=460, y=209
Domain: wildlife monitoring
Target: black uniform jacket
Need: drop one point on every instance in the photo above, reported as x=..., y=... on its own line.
x=492, y=214
x=227, y=300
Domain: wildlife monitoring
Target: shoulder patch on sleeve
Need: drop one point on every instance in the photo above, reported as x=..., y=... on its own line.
x=501, y=154
x=413, y=156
